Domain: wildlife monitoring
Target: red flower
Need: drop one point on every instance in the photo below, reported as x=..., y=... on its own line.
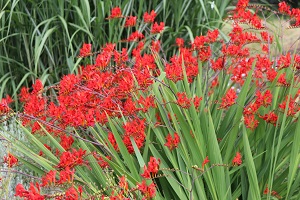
x=115, y=13
x=4, y=109
x=123, y=183
x=237, y=160
x=130, y=21
x=157, y=28
x=205, y=161
x=250, y=122
x=147, y=191
x=33, y=193
x=71, y=194
x=228, y=99
x=72, y=159
x=10, y=160
x=183, y=100
x=152, y=169
x=66, y=141
x=149, y=18
x=271, y=117
x=179, y=42
x=284, y=8
x=172, y=143
x=86, y=50
x=66, y=175
x=49, y=178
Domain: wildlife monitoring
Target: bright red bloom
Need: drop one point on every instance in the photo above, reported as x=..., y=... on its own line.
x=33, y=193
x=66, y=175
x=130, y=21
x=112, y=140
x=284, y=8
x=72, y=159
x=66, y=141
x=172, y=143
x=250, y=122
x=123, y=184
x=179, y=42
x=228, y=99
x=49, y=178
x=71, y=194
x=101, y=161
x=266, y=37
x=183, y=100
x=264, y=100
x=85, y=50
x=205, y=161
x=197, y=101
x=148, y=191
x=212, y=35
x=284, y=61
x=157, y=28
x=4, y=108
x=237, y=160
x=282, y=80
x=271, y=118
x=135, y=36
x=10, y=160
x=115, y=13
x=149, y=18
x=152, y=169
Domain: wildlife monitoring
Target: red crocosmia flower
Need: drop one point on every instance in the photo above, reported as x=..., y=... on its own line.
x=237, y=160
x=112, y=140
x=85, y=50
x=205, y=161
x=266, y=37
x=130, y=21
x=183, y=100
x=147, y=191
x=197, y=101
x=149, y=18
x=152, y=169
x=123, y=184
x=33, y=193
x=228, y=99
x=212, y=35
x=271, y=118
x=172, y=143
x=72, y=159
x=284, y=8
x=264, y=100
x=66, y=175
x=293, y=107
x=115, y=13
x=271, y=74
x=101, y=161
x=66, y=141
x=71, y=194
x=157, y=28
x=284, y=61
x=282, y=80
x=219, y=64
x=49, y=178
x=10, y=160
x=250, y=122
x=4, y=108
x=135, y=36
x=179, y=42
